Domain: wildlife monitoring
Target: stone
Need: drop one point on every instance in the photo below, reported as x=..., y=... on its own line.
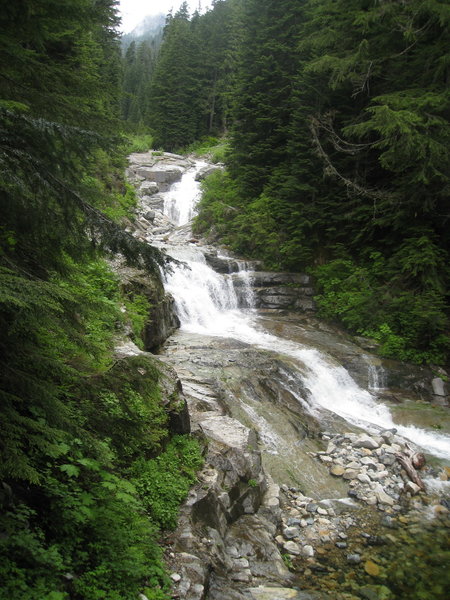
x=354, y=559
x=311, y=507
x=412, y=488
x=291, y=532
x=341, y=545
x=371, y=568
x=438, y=386
x=375, y=592
x=292, y=548
x=350, y=474
x=337, y=470
x=241, y=563
x=363, y=478
x=206, y=171
x=242, y=576
x=326, y=459
x=308, y=551
x=175, y=577
x=382, y=497
x=322, y=511
x=365, y=441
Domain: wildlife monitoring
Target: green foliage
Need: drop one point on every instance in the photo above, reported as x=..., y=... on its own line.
x=139, y=143
x=138, y=309
x=164, y=482
x=213, y=148
x=72, y=523
x=408, y=324
x=340, y=139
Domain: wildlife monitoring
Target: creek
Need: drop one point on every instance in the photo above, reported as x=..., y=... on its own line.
x=282, y=375
x=208, y=305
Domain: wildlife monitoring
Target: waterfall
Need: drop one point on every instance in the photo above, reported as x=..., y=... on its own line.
x=207, y=303
x=376, y=376
x=180, y=200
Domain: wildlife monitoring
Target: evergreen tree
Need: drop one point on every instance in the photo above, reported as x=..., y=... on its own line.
x=175, y=90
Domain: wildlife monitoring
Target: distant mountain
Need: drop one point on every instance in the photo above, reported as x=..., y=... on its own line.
x=149, y=28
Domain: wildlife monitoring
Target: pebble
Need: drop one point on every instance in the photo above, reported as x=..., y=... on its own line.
x=175, y=577
x=308, y=551
x=291, y=532
x=341, y=545
x=337, y=470
x=292, y=548
x=365, y=441
x=311, y=508
x=371, y=568
x=354, y=559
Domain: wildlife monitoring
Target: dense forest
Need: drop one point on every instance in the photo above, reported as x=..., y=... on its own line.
x=89, y=467
x=335, y=116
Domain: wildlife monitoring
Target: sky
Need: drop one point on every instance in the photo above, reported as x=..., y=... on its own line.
x=133, y=11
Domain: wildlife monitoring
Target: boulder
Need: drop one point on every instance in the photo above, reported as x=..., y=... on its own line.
x=161, y=173
x=206, y=171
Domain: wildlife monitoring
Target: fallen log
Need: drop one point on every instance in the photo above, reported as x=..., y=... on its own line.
x=411, y=461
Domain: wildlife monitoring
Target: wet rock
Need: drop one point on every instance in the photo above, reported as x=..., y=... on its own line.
x=371, y=568
x=375, y=592
x=354, y=559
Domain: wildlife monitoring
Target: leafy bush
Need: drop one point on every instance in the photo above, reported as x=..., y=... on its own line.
x=139, y=143
x=410, y=324
x=163, y=483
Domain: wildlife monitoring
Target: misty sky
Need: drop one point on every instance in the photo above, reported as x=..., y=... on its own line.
x=133, y=11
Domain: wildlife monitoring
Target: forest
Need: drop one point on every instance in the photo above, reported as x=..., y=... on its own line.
x=331, y=117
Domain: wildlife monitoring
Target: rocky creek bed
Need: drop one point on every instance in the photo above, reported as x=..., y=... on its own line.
x=292, y=502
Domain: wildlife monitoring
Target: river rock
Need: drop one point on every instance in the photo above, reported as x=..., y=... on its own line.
x=365, y=441
x=382, y=497
x=291, y=532
x=337, y=470
x=292, y=548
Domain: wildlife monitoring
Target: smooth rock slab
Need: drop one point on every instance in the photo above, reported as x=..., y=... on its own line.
x=282, y=593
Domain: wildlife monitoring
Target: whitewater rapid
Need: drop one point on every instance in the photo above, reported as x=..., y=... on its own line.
x=207, y=304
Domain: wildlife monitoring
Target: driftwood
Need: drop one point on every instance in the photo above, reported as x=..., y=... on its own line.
x=411, y=461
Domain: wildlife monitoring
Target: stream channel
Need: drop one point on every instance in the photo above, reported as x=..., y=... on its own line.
x=271, y=384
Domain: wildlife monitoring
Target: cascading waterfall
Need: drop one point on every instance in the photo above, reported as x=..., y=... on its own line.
x=207, y=304
x=180, y=200
x=376, y=378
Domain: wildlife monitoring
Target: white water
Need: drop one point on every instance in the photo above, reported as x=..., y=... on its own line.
x=207, y=304
x=180, y=200
x=376, y=378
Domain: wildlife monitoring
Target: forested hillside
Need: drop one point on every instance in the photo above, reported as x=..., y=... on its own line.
x=335, y=115
x=84, y=436
x=338, y=161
